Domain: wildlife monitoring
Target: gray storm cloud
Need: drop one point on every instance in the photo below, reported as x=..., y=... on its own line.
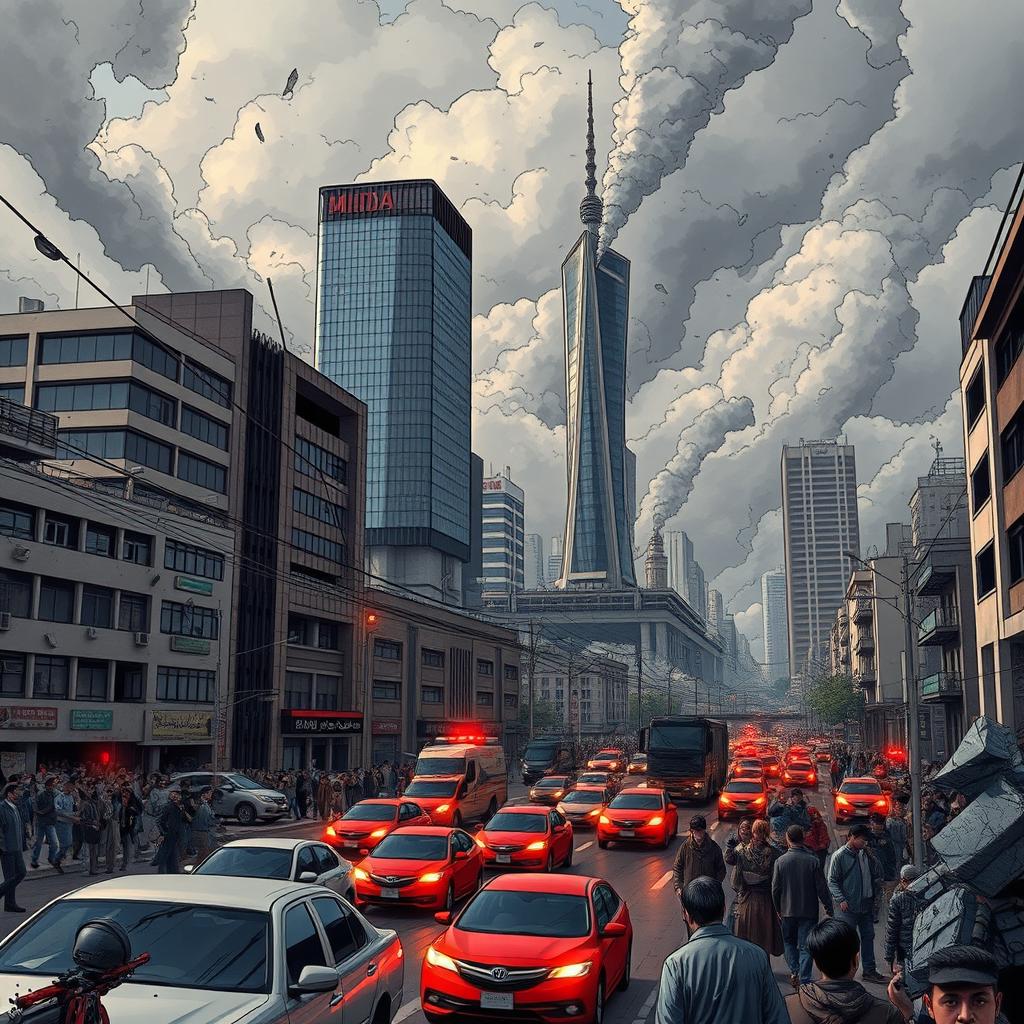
x=679, y=59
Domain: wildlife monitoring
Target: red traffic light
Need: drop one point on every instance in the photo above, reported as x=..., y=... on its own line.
x=372, y=618
x=105, y=757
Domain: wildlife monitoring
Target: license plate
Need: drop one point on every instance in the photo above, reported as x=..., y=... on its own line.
x=350, y=844
x=389, y=894
x=628, y=833
x=503, y=858
x=496, y=1001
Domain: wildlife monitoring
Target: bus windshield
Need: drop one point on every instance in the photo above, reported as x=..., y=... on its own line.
x=666, y=736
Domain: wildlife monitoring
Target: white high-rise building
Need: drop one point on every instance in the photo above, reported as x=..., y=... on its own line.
x=716, y=610
x=503, y=536
x=685, y=576
x=534, y=573
x=554, y=561
x=820, y=524
x=775, y=622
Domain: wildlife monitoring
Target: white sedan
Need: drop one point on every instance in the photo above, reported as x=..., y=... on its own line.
x=295, y=860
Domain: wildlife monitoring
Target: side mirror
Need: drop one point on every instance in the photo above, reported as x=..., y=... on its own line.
x=443, y=917
x=613, y=930
x=307, y=876
x=460, y=855
x=188, y=868
x=315, y=978
x=478, y=827
x=558, y=829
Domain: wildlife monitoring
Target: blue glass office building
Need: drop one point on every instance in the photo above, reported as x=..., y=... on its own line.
x=393, y=328
x=595, y=304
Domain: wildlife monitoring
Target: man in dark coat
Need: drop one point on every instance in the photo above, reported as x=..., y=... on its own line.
x=172, y=832
x=12, y=846
x=698, y=855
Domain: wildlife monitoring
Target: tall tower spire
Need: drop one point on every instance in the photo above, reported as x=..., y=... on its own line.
x=591, y=209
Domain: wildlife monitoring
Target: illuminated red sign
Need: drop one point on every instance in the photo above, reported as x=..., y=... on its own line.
x=339, y=203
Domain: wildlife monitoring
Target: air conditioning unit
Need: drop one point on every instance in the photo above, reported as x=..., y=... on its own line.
x=5, y=620
x=50, y=639
x=92, y=632
x=21, y=553
x=141, y=639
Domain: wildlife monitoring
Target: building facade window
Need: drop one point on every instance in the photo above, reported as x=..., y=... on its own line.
x=129, y=683
x=60, y=531
x=384, y=689
x=56, y=600
x=512, y=673
x=433, y=659
x=115, y=444
x=484, y=667
x=137, y=548
x=133, y=612
x=16, y=593
x=107, y=347
x=204, y=428
x=981, y=484
x=301, y=630
x=388, y=650
x=433, y=695
x=318, y=508
x=188, y=685
x=12, y=674
x=210, y=385
x=1008, y=349
x=327, y=638
x=193, y=561
x=100, y=540
x=327, y=690
x=17, y=521
x=107, y=394
x=511, y=700
x=50, y=676
x=201, y=472
x=1012, y=446
x=14, y=351
x=189, y=620
x=13, y=393
x=91, y=681
x=312, y=460
x=1015, y=544
x=97, y=606
x=484, y=699
x=298, y=690
x=985, y=569
x=974, y=396
x=314, y=544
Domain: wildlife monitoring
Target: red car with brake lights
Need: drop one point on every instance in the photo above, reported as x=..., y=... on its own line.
x=421, y=866
x=772, y=766
x=800, y=774
x=743, y=797
x=601, y=780
x=609, y=760
x=526, y=837
x=545, y=948
x=365, y=824
x=584, y=805
x=859, y=798
x=639, y=816
x=550, y=789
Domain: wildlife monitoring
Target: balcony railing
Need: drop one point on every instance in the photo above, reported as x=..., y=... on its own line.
x=941, y=685
x=940, y=626
x=864, y=644
x=862, y=610
x=865, y=676
x=971, y=308
x=26, y=434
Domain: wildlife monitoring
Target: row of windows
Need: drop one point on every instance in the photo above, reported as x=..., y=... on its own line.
x=318, y=508
x=51, y=678
x=205, y=428
x=205, y=382
x=193, y=561
x=317, y=545
x=179, y=619
x=191, y=685
x=115, y=444
x=98, y=348
x=311, y=691
x=201, y=472
x=57, y=602
x=14, y=351
x=13, y=393
x=308, y=632
x=311, y=460
x=117, y=394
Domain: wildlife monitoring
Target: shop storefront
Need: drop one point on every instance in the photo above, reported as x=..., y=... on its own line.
x=180, y=740
x=387, y=734
x=320, y=739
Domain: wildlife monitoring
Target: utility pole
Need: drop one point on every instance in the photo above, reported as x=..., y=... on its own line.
x=913, y=714
x=639, y=687
x=533, y=673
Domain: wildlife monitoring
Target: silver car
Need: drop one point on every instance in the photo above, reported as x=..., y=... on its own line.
x=222, y=951
x=235, y=796
x=296, y=860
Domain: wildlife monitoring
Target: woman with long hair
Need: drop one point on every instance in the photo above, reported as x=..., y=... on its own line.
x=756, y=918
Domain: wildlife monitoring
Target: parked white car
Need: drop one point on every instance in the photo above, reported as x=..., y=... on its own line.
x=236, y=796
x=222, y=951
x=295, y=860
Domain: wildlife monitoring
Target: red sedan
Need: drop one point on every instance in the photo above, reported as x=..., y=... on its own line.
x=526, y=837
x=422, y=866
x=536, y=947
x=364, y=825
x=742, y=797
x=550, y=789
x=611, y=759
x=860, y=798
x=639, y=816
x=800, y=774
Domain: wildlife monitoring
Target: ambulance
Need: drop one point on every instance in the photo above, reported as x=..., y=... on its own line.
x=460, y=778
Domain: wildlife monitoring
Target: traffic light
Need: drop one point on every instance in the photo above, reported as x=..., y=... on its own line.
x=372, y=621
x=104, y=757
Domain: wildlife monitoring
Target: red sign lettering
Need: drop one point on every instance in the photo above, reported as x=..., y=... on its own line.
x=339, y=203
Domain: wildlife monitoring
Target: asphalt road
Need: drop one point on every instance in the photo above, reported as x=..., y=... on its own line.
x=642, y=878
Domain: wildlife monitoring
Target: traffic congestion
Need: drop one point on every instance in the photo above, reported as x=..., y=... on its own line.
x=579, y=893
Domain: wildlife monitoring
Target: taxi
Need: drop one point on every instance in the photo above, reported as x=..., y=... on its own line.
x=743, y=798
x=860, y=797
x=639, y=816
x=423, y=866
x=527, y=837
x=583, y=805
x=366, y=823
x=611, y=759
x=550, y=789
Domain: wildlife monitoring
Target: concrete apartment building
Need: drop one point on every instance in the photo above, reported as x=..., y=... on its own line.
x=820, y=524
x=992, y=396
x=534, y=577
x=586, y=692
x=503, y=538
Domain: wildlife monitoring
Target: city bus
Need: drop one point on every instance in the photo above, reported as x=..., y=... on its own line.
x=688, y=757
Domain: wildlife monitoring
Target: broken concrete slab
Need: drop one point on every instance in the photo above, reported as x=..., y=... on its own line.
x=1008, y=925
x=987, y=751
x=956, y=917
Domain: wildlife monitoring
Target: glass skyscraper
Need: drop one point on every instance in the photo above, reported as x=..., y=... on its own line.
x=598, y=550
x=393, y=327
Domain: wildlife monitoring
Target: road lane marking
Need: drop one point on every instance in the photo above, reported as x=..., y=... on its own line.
x=641, y=1015
x=585, y=846
x=662, y=882
x=406, y=1011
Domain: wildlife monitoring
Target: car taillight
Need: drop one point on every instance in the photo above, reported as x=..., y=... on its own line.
x=444, y=807
x=378, y=833
x=656, y=820
x=329, y=831
x=540, y=844
x=604, y=819
x=812, y=777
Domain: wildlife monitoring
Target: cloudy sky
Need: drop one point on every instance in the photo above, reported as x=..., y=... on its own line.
x=804, y=188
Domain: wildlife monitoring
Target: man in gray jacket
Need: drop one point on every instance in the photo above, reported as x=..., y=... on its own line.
x=854, y=879
x=798, y=886
x=716, y=978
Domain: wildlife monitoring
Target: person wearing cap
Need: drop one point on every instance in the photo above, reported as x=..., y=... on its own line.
x=698, y=855
x=963, y=988
x=899, y=924
x=854, y=878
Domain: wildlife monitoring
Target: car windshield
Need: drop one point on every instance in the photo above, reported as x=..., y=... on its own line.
x=543, y=914
x=190, y=946
x=506, y=822
x=769, y=759
x=247, y=862
x=585, y=796
x=402, y=846
x=800, y=766
x=743, y=787
x=440, y=766
x=241, y=782
x=551, y=784
x=540, y=751
x=438, y=789
x=861, y=788
x=371, y=812
x=639, y=759
x=636, y=802
x=594, y=778
x=605, y=755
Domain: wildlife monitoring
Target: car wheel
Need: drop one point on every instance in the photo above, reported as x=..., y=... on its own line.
x=449, y=898
x=603, y=843
x=664, y=843
x=598, y=1017
x=457, y=819
x=568, y=856
x=245, y=813
x=551, y=862
x=627, y=974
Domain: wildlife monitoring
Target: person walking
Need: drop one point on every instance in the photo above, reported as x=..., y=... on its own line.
x=698, y=855
x=899, y=923
x=881, y=846
x=204, y=824
x=66, y=806
x=302, y=793
x=798, y=886
x=837, y=998
x=387, y=779
x=12, y=848
x=716, y=978
x=786, y=811
x=131, y=820
x=816, y=838
x=172, y=831
x=836, y=771
x=91, y=820
x=323, y=796
x=854, y=877
x=756, y=919
x=288, y=788
x=112, y=811
x=743, y=834
x=899, y=831
x=46, y=824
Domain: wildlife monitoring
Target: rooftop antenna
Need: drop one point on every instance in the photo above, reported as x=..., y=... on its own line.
x=592, y=208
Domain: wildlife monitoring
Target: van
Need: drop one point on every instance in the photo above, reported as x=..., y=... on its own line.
x=546, y=755
x=459, y=779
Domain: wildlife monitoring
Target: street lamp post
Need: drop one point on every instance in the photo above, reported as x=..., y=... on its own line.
x=371, y=622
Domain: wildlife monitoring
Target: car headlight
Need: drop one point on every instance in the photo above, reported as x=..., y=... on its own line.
x=378, y=833
x=431, y=876
x=361, y=874
x=438, y=959
x=444, y=807
x=539, y=845
x=480, y=843
x=604, y=819
x=596, y=810
x=570, y=970
x=656, y=820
